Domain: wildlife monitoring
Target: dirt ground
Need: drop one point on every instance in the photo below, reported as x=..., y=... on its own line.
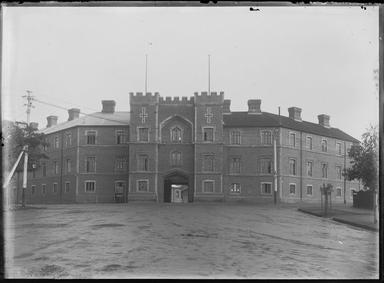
x=193, y=240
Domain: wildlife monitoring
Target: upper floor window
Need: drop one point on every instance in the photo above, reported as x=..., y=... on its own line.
x=68, y=139
x=120, y=137
x=142, y=162
x=338, y=148
x=235, y=188
x=120, y=163
x=324, y=170
x=68, y=166
x=56, y=167
x=309, y=168
x=338, y=192
x=208, y=163
x=90, y=164
x=309, y=143
x=235, y=165
x=266, y=166
x=292, y=166
x=292, y=139
x=266, y=137
x=91, y=137
x=44, y=169
x=45, y=145
x=56, y=142
x=176, y=158
x=235, y=137
x=43, y=189
x=143, y=134
x=338, y=172
x=176, y=134
x=324, y=145
x=208, y=134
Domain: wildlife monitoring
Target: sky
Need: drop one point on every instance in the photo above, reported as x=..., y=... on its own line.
x=320, y=59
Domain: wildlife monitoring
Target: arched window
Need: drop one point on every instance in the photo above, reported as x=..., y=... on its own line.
x=176, y=158
x=176, y=134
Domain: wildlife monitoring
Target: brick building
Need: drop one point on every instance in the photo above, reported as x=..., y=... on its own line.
x=189, y=149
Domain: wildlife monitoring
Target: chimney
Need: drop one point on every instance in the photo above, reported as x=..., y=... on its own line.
x=108, y=106
x=227, y=106
x=52, y=121
x=254, y=106
x=73, y=113
x=34, y=125
x=324, y=120
x=295, y=113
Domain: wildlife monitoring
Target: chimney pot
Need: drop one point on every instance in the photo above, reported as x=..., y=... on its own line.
x=73, y=113
x=324, y=120
x=108, y=106
x=51, y=121
x=254, y=106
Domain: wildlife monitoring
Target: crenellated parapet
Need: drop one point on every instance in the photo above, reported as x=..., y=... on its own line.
x=176, y=100
x=213, y=98
x=140, y=98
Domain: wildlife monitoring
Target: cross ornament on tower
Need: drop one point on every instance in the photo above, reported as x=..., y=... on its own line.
x=209, y=115
x=143, y=115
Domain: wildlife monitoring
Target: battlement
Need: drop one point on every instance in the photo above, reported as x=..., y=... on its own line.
x=212, y=98
x=176, y=100
x=140, y=98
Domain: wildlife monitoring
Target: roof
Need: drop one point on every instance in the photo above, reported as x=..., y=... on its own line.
x=265, y=119
x=95, y=119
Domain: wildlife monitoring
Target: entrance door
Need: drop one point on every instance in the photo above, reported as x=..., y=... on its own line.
x=119, y=191
x=176, y=188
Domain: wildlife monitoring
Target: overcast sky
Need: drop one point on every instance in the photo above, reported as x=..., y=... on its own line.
x=321, y=59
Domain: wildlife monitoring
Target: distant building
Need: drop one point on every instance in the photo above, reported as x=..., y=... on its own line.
x=189, y=149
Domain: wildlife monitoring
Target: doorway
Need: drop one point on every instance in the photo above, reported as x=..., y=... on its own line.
x=176, y=189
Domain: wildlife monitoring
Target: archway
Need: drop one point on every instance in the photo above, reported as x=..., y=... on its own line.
x=176, y=188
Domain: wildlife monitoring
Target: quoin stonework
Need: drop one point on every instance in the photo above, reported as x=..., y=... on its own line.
x=189, y=149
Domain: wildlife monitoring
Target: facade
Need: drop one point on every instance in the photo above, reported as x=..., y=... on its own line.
x=190, y=149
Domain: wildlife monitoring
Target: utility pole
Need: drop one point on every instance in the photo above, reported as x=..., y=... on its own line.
x=29, y=105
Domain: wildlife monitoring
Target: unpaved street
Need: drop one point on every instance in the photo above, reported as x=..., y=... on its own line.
x=194, y=240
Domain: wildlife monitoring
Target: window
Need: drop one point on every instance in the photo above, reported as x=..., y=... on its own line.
x=90, y=164
x=309, y=190
x=309, y=168
x=292, y=166
x=120, y=163
x=292, y=139
x=142, y=162
x=90, y=186
x=34, y=172
x=208, y=186
x=66, y=189
x=68, y=166
x=235, y=137
x=309, y=143
x=266, y=137
x=338, y=172
x=68, y=139
x=235, y=165
x=208, y=134
x=44, y=169
x=142, y=185
x=45, y=145
x=176, y=134
x=208, y=163
x=56, y=143
x=120, y=137
x=266, y=188
x=324, y=170
x=338, y=192
x=43, y=189
x=266, y=166
x=176, y=158
x=91, y=137
x=292, y=189
x=56, y=167
x=54, y=188
x=338, y=148
x=33, y=189
x=143, y=135
x=324, y=146
x=235, y=188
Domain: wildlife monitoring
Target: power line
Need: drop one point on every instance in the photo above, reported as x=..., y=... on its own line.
x=69, y=103
x=86, y=114
x=29, y=105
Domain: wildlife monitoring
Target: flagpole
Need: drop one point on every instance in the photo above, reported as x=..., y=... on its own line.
x=146, y=73
x=209, y=74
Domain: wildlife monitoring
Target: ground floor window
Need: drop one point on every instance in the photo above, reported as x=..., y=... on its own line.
x=66, y=190
x=90, y=186
x=43, y=189
x=266, y=188
x=309, y=190
x=338, y=192
x=208, y=186
x=351, y=190
x=142, y=185
x=33, y=189
x=54, y=188
x=292, y=189
x=235, y=188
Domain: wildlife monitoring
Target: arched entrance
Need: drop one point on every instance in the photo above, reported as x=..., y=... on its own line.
x=176, y=188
